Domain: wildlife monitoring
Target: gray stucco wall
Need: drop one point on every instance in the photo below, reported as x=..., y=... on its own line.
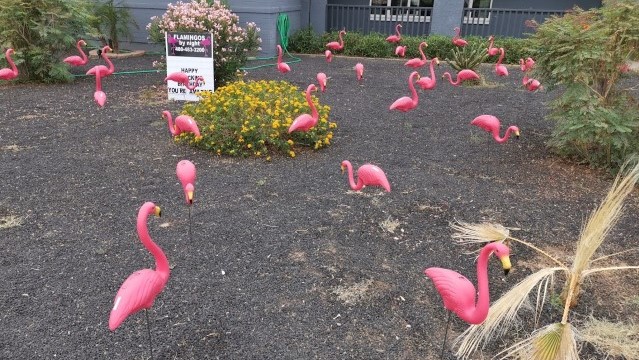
x=446, y=16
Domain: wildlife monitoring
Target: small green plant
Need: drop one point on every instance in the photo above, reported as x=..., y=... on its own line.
x=468, y=57
x=586, y=51
x=41, y=32
x=112, y=22
x=252, y=119
x=305, y=41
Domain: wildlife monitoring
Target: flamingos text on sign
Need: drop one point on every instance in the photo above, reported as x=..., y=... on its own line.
x=183, y=78
x=9, y=73
x=500, y=69
x=458, y=41
x=322, y=80
x=429, y=83
x=337, y=46
x=105, y=71
x=417, y=62
x=406, y=103
x=305, y=122
x=281, y=66
x=183, y=123
x=141, y=288
x=462, y=76
x=76, y=60
x=395, y=38
x=492, y=125
x=367, y=175
x=458, y=292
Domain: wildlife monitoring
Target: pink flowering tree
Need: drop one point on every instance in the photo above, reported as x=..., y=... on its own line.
x=231, y=42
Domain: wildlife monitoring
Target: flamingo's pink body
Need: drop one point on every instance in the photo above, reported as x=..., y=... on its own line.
x=305, y=122
x=417, y=62
x=492, y=51
x=462, y=76
x=406, y=103
x=526, y=65
x=500, y=69
x=329, y=55
x=337, y=46
x=459, y=294
x=183, y=123
x=400, y=51
x=9, y=73
x=322, y=80
x=367, y=175
x=105, y=71
x=185, y=171
x=183, y=78
x=395, y=38
x=531, y=84
x=458, y=41
x=429, y=83
x=281, y=66
x=76, y=60
x=140, y=289
x=99, y=96
x=359, y=71
x=492, y=125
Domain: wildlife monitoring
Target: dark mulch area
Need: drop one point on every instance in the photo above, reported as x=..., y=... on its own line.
x=285, y=261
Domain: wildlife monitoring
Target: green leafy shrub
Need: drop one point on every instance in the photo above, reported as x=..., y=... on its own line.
x=42, y=32
x=112, y=22
x=232, y=43
x=252, y=119
x=305, y=41
x=597, y=121
x=371, y=45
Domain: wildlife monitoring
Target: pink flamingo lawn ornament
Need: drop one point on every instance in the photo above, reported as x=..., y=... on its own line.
x=99, y=96
x=183, y=78
x=329, y=56
x=183, y=123
x=500, y=69
x=492, y=51
x=9, y=73
x=322, y=80
x=417, y=62
x=76, y=60
x=531, y=84
x=459, y=294
x=393, y=39
x=305, y=122
x=400, y=50
x=281, y=66
x=406, y=103
x=359, y=71
x=141, y=288
x=429, y=83
x=367, y=175
x=104, y=71
x=206, y=43
x=526, y=65
x=337, y=46
x=464, y=75
x=492, y=125
x=186, y=173
x=458, y=41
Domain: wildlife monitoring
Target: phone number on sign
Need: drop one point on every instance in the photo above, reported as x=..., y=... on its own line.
x=189, y=49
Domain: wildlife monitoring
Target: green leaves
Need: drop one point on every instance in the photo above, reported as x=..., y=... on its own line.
x=468, y=57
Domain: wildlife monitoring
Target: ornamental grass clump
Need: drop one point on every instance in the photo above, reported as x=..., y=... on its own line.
x=231, y=43
x=252, y=119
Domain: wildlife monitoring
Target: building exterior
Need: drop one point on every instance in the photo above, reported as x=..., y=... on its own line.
x=419, y=17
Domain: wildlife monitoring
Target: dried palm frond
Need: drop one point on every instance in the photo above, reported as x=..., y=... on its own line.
x=556, y=341
x=615, y=339
x=504, y=311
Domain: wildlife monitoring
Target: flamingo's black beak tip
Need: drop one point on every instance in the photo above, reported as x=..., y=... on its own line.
x=506, y=271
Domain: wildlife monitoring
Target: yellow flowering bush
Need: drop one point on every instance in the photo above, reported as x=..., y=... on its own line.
x=252, y=119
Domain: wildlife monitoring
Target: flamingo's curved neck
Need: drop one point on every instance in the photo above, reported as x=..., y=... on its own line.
x=432, y=70
x=397, y=30
x=82, y=53
x=506, y=135
x=411, y=86
x=351, y=181
x=450, y=79
x=98, y=80
x=169, y=119
x=524, y=81
x=341, y=40
x=279, y=55
x=483, y=298
x=421, y=51
x=457, y=31
x=501, y=56
x=108, y=61
x=14, y=68
x=161, y=262
x=196, y=83
x=309, y=100
x=490, y=44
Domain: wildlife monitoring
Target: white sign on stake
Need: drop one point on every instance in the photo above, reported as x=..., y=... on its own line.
x=192, y=54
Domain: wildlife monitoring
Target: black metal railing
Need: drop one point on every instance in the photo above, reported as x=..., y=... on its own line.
x=381, y=19
x=504, y=22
